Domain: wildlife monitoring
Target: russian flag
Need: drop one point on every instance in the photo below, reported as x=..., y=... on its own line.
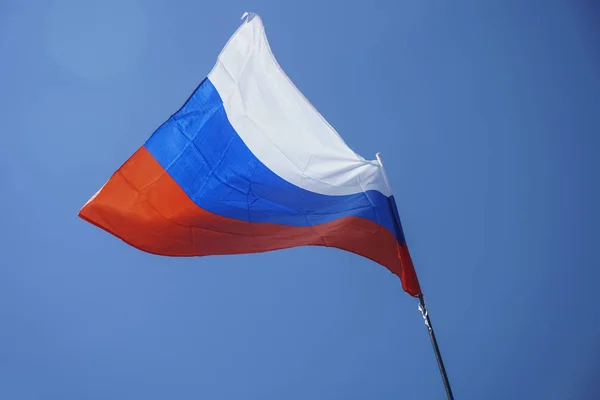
x=248, y=165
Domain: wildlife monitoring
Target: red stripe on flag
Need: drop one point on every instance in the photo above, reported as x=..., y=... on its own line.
x=143, y=206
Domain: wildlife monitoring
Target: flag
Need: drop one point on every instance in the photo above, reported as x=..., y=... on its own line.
x=248, y=165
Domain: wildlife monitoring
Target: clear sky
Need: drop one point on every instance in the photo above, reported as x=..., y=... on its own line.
x=487, y=114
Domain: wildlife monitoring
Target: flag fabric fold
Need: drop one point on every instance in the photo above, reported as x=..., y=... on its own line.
x=248, y=165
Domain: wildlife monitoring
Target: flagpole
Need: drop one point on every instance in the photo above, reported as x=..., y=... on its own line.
x=436, y=349
x=423, y=309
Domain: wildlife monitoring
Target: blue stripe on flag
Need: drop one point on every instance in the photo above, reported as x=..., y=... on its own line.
x=202, y=152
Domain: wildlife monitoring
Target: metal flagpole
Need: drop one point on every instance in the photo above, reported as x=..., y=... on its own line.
x=436, y=348
x=424, y=313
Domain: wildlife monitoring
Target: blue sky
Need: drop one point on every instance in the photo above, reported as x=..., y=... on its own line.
x=488, y=118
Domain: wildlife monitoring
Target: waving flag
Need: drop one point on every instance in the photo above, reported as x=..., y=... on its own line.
x=248, y=165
